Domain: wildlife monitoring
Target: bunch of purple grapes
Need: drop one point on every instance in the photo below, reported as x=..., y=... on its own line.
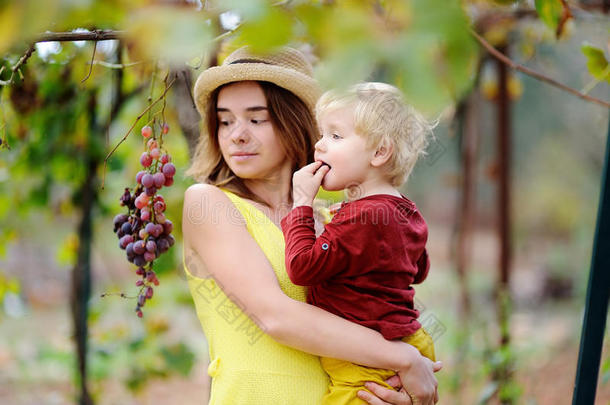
x=144, y=232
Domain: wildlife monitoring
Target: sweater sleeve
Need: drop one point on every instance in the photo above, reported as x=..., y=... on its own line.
x=423, y=266
x=310, y=261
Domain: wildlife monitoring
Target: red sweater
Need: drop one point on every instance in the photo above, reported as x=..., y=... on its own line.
x=363, y=264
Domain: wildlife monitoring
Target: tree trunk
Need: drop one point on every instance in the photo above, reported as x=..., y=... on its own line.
x=81, y=279
x=188, y=116
x=504, y=220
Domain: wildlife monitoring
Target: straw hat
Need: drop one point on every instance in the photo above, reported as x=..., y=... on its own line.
x=286, y=68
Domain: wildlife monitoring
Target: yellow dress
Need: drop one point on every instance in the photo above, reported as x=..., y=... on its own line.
x=246, y=365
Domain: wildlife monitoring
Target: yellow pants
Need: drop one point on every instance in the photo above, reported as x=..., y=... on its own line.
x=346, y=378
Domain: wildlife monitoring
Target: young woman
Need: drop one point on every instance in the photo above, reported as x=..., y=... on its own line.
x=263, y=338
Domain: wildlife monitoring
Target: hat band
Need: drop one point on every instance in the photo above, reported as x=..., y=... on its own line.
x=249, y=61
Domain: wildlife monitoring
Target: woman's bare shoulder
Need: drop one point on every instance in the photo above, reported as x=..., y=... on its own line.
x=207, y=206
x=202, y=190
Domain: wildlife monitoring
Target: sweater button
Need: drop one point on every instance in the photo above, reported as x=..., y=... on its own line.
x=325, y=246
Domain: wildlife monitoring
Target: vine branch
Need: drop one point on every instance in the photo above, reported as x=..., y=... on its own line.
x=95, y=35
x=514, y=65
x=18, y=65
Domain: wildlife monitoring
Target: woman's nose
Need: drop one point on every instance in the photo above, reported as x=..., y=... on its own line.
x=239, y=133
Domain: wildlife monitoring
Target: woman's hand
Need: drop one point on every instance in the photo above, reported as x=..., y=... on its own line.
x=384, y=396
x=399, y=396
x=419, y=381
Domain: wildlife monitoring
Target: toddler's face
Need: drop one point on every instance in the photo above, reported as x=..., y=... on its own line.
x=343, y=150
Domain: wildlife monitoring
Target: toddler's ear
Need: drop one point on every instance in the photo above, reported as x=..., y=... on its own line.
x=382, y=153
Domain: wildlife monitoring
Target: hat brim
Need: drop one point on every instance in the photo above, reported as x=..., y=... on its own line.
x=303, y=86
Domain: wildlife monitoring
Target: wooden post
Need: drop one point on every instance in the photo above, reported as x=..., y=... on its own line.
x=598, y=292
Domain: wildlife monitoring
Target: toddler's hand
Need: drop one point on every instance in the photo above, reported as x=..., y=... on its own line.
x=306, y=182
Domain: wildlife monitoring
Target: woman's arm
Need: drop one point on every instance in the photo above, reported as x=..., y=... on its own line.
x=215, y=230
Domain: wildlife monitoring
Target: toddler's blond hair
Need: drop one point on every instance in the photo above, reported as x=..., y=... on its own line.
x=382, y=114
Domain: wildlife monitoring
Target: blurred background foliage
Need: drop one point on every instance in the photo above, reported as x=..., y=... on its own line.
x=59, y=112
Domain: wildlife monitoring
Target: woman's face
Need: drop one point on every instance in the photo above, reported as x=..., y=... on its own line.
x=248, y=141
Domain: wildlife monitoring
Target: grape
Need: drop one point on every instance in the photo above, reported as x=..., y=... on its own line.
x=149, y=228
x=149, y=256
x=159, y=206
x=125, y=240
x=139, y=176
x=139, y=312
x=148, y=180
x=159, y=179
x=169, y=170
x=169, y=181
x=160, y=218
x=171, y=240
x=145, y=217
x=119, y=220
x=150, y=191
x=140, y=203
x=163, y=245
x=149, y=292
x=147, y=131
x=140, y=271
x=151, y=246
x=155, y=153
x=152, y=144
x=150, y=276
x=129, y=250
x=146, y=159
x=165, y=128
x=139, y=261
x=139, y=247
x=165, y=158
x=126, y=228
x=141, y=300
x=168, y=227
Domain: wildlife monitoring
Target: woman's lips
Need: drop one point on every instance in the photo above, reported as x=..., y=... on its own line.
x=243, y=156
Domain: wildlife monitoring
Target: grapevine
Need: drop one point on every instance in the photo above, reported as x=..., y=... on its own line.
x=144, y=232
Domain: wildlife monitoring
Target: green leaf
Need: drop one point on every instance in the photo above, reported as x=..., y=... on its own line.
x=549, y=12
x=176, y=35
x=179, y=358
x=596, y=62
x=434, y=59
x=272, y=30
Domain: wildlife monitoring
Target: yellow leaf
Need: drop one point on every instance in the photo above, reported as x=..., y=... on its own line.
x=9, y=20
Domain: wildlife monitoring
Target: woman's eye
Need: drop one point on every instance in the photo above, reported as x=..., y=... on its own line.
x=335, y=136
x=257, y=121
